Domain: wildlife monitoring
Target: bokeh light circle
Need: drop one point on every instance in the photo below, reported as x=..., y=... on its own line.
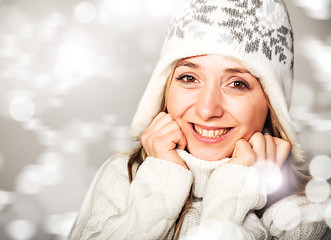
x=6, y=198
x=20, y=229
x=33, y=124
x=271, y=175
x=29, y=180
x=59, y=224
x=320, y=167
x=317, y=190
x=72, y=146
x=22, y=108
x=85, y=12
x=73, y=58
x=48, y=137
x=51, y=167
x=62, y=71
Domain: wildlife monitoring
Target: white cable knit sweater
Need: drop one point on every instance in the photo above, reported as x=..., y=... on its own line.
x=224, y=197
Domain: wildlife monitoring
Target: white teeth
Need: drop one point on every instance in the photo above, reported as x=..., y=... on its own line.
x=204, y=133
x=210, y=133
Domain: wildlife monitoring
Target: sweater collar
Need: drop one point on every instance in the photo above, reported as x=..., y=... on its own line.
x=201, y=170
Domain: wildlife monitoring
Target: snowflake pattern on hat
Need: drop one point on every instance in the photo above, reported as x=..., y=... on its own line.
x=260, y=25
x=261, y=28
x=196, y=18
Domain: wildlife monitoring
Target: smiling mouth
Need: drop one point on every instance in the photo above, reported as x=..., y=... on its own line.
x=207, y=133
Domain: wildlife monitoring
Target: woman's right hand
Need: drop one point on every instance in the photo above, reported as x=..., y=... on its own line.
x=162, y=137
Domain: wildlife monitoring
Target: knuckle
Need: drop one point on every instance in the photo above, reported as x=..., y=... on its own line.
x=175, y=135
x=168, y=118
x=256, y=136
x=284, y=143
x=269, y=137
x=241, y=142
x=160, y=115
x=287, y=145
x=165, y=115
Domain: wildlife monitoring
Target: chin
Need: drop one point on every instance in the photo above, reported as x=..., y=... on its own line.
x=209, y=155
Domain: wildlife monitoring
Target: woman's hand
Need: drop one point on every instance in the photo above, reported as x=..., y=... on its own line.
x=261, y=147
x=162, y=137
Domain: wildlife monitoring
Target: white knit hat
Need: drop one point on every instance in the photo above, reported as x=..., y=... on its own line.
x=257, y=33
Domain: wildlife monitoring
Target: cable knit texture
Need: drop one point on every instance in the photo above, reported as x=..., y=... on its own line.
x=224, y=198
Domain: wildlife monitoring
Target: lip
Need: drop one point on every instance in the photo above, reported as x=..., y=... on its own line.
x=206, y=139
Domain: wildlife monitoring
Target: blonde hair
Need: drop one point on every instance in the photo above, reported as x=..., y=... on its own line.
x=297, y=179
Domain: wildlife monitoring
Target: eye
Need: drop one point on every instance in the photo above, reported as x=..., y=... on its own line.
x=187, y=79
x=240, y=85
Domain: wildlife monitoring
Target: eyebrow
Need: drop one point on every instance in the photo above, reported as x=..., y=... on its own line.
x=197, y=66
x=237, y=70
x=188, y=64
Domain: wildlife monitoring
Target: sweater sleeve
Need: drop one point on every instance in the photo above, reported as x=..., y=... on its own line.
x=145, y=209
x=295, y=217
x=233, y=192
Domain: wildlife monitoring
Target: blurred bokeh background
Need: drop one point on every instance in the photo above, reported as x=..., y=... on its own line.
x=71, y=75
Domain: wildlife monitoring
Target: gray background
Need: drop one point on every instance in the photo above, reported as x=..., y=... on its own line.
x=71, y=75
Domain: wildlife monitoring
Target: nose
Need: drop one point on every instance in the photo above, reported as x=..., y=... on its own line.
x=210, y=103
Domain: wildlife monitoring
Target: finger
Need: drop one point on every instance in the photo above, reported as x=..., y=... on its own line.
x=160, y=122
x=258, y=143
x=181, y=141
x=169, y=134
x=165, y=128
x=270, y=148
x=283, y=149
x=243, y=153
x=169, y=141
x=160, y=115
x=147, y=136
x=178, y=138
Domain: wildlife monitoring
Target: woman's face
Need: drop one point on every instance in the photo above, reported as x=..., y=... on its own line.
x=215, y=101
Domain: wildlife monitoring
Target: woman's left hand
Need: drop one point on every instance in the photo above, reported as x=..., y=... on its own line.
x=260, y=147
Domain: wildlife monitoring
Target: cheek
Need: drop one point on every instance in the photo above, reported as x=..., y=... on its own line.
x=177, y=102
x=257, y=115
x=179, y=105
x=252, y=112
x=172, y=99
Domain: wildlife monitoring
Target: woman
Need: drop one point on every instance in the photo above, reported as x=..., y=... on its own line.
x=216, y=107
